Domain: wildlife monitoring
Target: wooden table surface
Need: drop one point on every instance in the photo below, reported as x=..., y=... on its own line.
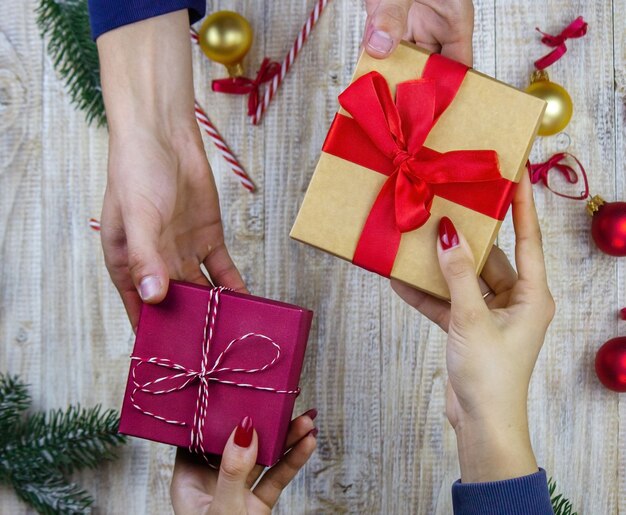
x=374, y=369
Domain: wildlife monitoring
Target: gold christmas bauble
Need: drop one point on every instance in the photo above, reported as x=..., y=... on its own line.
x=559, y=109
x=225, y=37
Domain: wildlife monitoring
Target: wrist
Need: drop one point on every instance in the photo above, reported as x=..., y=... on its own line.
x=146, y=75
x=495, y=450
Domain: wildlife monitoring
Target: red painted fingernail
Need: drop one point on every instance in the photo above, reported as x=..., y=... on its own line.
x=243, y=434
x=622, y=313
x=447, y=234
x=312, y=413
x=313, y=432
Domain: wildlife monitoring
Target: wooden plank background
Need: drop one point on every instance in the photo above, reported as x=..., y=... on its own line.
x=374, y=369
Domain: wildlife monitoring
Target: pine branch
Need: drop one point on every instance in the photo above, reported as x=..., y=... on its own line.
x=14, y=400
x=68, y=440
x=52, y=495
x=74, y=54
x=38, y=451
x=560, y=505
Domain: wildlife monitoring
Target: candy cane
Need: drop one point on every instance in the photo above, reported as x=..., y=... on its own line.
x=218, y=141
x=288, y=60
x=94, y=224
x=223, y=149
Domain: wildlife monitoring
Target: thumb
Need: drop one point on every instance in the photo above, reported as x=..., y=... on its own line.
x=238, y=461
x=387, y=26
x=145, y=264
x=457, y=266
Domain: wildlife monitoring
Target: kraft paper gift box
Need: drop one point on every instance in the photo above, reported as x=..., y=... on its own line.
x=417, y=137
x=249, y=350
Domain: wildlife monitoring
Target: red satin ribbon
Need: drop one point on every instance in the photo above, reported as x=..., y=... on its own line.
x=576, y=29
x=539, y=172
x=388, y=138
x=246, y=86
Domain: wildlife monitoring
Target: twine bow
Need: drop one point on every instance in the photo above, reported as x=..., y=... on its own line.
x=246, y=86
x=209, y=372
x=576, y=29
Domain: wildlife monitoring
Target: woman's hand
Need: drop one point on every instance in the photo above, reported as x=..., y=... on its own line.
x=198, y=489
x=161, y=215
x=493, y=343
x=441, y=26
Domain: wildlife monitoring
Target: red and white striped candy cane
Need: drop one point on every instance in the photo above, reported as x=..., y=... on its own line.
x=223, y=149
x=217, y=139
x=94, y=224
x=194, y=36
x=288, y=60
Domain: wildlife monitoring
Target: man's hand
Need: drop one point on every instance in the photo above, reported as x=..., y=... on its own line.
x=441, y=26
x=161, y=215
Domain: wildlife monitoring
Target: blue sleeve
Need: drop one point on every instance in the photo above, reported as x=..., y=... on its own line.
x=106, y=15
x=527, y=495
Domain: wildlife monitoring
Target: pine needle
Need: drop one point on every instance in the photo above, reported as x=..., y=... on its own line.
x=560, y=504
x=74, y=54
x=53, y=495
x=39, y=450
x=14, y=400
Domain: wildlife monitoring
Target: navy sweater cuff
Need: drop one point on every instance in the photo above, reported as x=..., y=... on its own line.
x=527, y=495
x=107, y=15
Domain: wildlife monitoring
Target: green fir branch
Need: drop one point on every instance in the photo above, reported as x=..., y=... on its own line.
x=74, y=54
x=75, y=438
x=14, y=401
x=53, y=495
x=560, y=505
x=38, y=451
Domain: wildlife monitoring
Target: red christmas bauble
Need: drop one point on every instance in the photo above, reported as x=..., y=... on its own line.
x=611, y=364
x=608, y=226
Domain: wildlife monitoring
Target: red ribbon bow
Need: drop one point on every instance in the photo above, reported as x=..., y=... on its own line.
x=539, y=172
x=389, y=138
x=246, y=86
x=576, y=29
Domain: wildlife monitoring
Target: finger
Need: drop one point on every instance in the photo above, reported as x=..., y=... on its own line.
x=299, y=428
x=498, y=273
x=457, y=266
x=387, y=25
x=436, y=310
x=528, y=248
x=460, y=51
x=456, y=42
x=238, y=461
x=113, y=240
x=222, y=270
x=280, y=475
x=145, y=264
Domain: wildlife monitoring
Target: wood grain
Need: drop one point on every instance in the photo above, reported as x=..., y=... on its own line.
x=375, y=369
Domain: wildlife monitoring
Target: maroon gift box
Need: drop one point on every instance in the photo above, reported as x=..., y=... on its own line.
x=170, y=340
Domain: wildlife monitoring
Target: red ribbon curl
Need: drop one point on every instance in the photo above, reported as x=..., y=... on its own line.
x=576, y=29
x=246, y=86
x=539, y=172
x=388, y=137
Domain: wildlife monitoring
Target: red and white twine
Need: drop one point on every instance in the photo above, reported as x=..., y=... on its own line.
x=209, y=372
x=289, y=59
